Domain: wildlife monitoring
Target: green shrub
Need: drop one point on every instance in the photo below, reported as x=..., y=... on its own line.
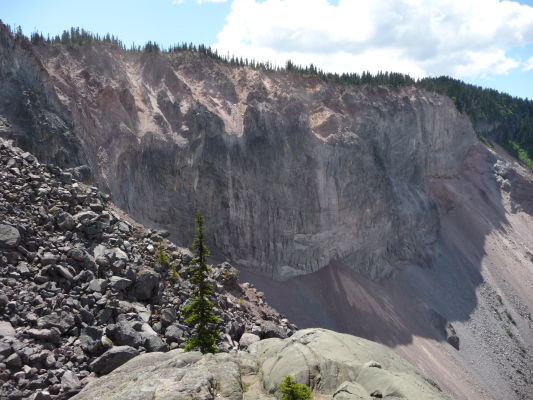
x=161, y=256
x=290, y=390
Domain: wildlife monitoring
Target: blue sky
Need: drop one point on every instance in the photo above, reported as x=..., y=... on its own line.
x=485, y=42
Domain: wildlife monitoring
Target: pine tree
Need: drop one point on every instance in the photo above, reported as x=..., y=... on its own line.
x=290, y=390
x=201, y=311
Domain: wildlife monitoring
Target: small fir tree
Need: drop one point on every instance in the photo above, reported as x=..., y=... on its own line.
x=290, y=390
x=200, y=312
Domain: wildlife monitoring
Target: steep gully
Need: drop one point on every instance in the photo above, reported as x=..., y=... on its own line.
x=379, y=206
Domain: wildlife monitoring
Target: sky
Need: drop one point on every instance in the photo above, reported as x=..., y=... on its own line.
x=484, y=42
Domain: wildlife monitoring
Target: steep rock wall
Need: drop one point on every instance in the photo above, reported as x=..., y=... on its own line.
x=292, y=173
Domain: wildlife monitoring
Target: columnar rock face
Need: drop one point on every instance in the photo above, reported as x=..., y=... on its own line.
x=291, y=173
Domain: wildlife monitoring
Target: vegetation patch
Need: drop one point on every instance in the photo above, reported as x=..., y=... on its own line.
x=290, y=390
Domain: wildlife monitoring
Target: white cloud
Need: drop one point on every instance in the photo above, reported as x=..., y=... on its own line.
x=199, y=1
x=454, y=37
x=528, y=65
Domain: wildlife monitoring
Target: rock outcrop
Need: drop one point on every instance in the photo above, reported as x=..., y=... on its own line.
x=82, y=289
x=336, y=366
x=292, y=173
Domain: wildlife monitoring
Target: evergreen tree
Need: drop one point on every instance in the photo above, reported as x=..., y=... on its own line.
x=290, y=390
x=201, y=312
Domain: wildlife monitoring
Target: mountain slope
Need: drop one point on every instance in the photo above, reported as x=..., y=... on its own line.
x=392, y=220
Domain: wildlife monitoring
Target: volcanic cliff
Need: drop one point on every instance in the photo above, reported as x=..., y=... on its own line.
x=378, y=204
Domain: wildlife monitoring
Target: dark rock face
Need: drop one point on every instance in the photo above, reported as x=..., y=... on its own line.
x=81, y=295
x=292, y=174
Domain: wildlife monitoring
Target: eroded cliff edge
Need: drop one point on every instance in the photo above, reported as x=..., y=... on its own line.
x=292, y=174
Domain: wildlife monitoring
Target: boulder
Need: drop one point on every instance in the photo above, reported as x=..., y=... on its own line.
x=49, y=335
x=9, y=236
x=61, y=320
x=65, y=221
x=14, y=360
x=63, y=272
x=451, y=336
x=168, y=315
x=112, y=359
x=146, y=284
x=174, y=333
x=247, y=339
x=70, y=382
x=118, y=283
x=124, y=333
x=5, y=349
x=6, y=330
x=91, y=340
x=97, y=285
x=270, y=329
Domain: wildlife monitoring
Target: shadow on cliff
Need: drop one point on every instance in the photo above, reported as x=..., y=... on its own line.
x=412, y=302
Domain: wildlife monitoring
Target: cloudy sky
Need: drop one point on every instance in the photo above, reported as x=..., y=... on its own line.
x=486, y=42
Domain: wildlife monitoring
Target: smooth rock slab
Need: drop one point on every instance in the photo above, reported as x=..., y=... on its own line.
x=335, y=365
x=331, y=358
x=172, y=375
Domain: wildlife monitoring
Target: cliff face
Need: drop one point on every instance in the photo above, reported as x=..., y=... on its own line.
x=296, y=177
x=292, y=174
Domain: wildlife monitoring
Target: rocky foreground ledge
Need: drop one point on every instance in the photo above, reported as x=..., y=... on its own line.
x=82, y=289
x=337, y=366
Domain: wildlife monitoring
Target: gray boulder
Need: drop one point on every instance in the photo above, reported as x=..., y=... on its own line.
x=168, y=315
x=97, y=285
x=124, y=333
x=70, y=382
x=91, y=340
x=49, y=335
x=146, y=284
x=451, y=336
x=247, y=339
x=174, y=333
x=9, y=236
x=112, y=359
x=6, y=330
x=65, y=221
x=63, y=272
x=62, y=321
x=118, y=283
